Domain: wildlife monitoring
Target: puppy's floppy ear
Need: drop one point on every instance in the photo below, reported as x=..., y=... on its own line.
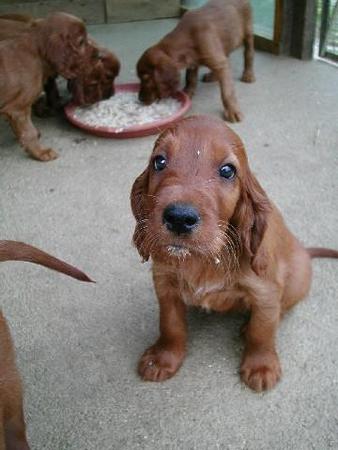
x=140, y=211
x=250, y=219
x=75, y=87
x=60, y=55
x=64, y=55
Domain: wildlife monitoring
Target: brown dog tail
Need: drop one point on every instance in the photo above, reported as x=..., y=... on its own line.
x=320, y=252
x=18, y=251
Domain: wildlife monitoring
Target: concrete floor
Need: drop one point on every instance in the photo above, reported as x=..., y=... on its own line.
x=78, y=345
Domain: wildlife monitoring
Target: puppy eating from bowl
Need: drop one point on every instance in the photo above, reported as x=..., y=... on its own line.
x=203, y=37
x=218, y=242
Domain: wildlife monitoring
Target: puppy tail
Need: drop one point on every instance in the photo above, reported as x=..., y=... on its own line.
x=320, y=252
x=18, y=251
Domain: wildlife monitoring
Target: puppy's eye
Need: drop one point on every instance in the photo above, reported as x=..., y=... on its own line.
x=159, y=163
x=228, y=171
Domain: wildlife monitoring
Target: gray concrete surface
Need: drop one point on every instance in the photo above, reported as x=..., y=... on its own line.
x=78, y=345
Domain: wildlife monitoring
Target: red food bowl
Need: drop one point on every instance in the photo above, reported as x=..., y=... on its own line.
x=136, y=130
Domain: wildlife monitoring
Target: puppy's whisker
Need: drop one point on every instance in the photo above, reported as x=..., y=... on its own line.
x=230, y=262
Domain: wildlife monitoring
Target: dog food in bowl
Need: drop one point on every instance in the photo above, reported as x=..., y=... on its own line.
x=123, y=115
x=124, y=110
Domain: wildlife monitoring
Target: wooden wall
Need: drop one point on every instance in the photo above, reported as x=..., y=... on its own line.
x=96, y=11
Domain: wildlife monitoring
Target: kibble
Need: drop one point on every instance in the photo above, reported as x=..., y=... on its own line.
x=124, y=110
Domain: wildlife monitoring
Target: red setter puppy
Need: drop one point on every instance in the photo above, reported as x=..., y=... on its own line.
x=12, y=424
x=96, y=82
x=203, y=37
x=53, y=46
x=216, y=242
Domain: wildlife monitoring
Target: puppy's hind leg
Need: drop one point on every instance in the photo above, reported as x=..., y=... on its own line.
x=299, y=279
x=260, y=367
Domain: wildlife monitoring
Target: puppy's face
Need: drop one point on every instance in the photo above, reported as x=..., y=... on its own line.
x=158, y=76
x=86, y=89
x=186, y=199
x=97, y=80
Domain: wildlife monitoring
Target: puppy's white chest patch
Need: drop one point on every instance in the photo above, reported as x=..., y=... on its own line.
x=210, y=290
x=200, y=295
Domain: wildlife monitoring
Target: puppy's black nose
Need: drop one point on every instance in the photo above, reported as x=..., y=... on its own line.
x=180, y=218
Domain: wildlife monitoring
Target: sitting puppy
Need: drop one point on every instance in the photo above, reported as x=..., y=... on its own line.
x=217, y=242
x=204, y=36
x=12, y=424
x=53, y=46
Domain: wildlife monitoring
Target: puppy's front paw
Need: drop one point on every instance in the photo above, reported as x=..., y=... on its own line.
x=45, y=155
x=159, y=363
x=248, y=77
x=260, y=370
x=233, y=115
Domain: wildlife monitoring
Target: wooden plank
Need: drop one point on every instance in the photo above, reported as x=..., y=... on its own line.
x=14, y=2
x=331, y=56
x=132, y=10
x=91, y=11
x=303, y=29
x=266, y=45
x=299, y=26
x=324, y=24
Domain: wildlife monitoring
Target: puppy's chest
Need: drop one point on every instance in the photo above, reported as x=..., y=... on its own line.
x=211, y=290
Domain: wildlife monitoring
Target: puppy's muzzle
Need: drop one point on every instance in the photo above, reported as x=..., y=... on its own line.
x=145, y=98
x=180, y=218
